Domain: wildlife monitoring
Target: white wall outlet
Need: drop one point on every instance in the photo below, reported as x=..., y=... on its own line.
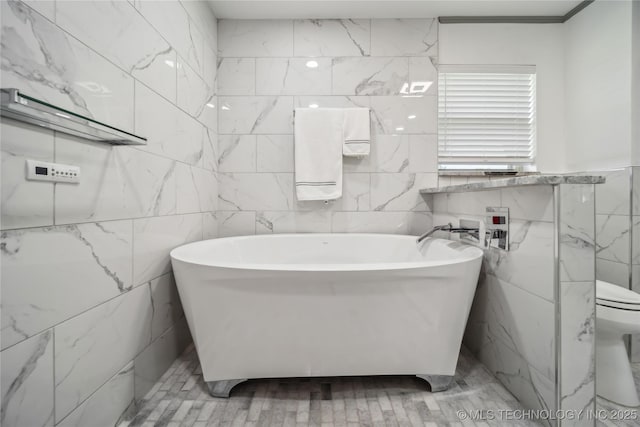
x=52, y=172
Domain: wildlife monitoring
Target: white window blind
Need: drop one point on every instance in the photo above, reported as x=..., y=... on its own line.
x=486, y=117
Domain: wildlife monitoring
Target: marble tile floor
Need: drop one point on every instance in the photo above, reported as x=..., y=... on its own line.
x=612, y=408
x=180, y=399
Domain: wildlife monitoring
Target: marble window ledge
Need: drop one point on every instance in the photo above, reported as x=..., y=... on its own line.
x=483, y=173
x=517, y=182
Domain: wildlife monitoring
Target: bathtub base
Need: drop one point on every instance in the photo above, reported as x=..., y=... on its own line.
x=437, y=382
x=222, y=388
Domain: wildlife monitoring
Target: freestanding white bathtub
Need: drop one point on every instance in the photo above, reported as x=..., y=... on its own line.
x=297, y=305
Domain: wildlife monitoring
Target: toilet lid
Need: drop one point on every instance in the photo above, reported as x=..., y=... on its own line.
x=614, y=296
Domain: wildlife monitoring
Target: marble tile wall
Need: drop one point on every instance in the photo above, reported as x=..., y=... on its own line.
x=511, y=327
x=635, y=249
x=263, y=76
x=530, y=295
x=613, y=227
x=618, y=233
x=90, y=313
x=575, y=299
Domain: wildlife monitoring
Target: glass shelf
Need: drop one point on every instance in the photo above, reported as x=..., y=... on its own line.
x=21, y=107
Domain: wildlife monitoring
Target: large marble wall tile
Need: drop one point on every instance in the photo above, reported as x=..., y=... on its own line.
x=208, y=114
x=237, y=76
x=577, y=233
x=529, y=386
x=155, y=237
x=472, y=203
x=635, y=244
x=423, y=153
x=27, y=382
x=109, y=28
x=391, y=114
x=440, y=201
x=612, y=237
x=209, y=225
x=274, y=153
x=236, y=223
x=332, y=101
x=370, y=222
x=293, y=222
x=534, y=203
x=165, y=301
x=194, y=95
x=113, y=185
x=332, y=37
x=170, y=131
x=577, y=373
x=154, y=360
x=369, y=76
x=44, y=62
x=36, y=260
x=207, y=186
x=92, y=347
x=419, y=222
x=175, y=25
x=293, y=76
x=404, y=37
x=237, y=153
x=197, y=189
x=522, y=321
x=255, y=191
x=390, y=153
x=398, y=191
x=210, y=149
x=187, y=199
x=105, y=406
x=529, y=263
x=255, y=38
x=424, y=71
x=255, y=115
x=356, y=192
x=202, y=16
x=24, y=203
x=46, y=8
x=613, y=272
x=612, y=197
x=210, y=75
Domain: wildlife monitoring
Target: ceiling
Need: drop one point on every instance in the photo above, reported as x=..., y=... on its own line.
x=344, y=9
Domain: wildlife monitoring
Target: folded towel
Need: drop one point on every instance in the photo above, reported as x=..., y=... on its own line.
x=318, y=153
x=357, y=133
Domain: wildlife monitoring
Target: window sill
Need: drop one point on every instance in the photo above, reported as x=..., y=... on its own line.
x=484, y=173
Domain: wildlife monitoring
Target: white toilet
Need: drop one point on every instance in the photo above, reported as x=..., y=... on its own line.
x=617, y=314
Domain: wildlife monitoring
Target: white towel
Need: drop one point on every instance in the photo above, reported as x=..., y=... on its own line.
x=318, y=153
x=357, y=132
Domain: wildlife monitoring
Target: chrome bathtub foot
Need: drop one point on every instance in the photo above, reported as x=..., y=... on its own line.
x=222, y=388
x=437, y=382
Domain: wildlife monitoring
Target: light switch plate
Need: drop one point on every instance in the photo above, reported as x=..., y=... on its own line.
x=52, y=172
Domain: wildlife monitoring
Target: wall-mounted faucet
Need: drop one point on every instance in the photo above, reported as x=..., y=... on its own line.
x=474, y=232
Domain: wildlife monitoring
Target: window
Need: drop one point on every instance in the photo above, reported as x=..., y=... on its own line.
x=486, y=118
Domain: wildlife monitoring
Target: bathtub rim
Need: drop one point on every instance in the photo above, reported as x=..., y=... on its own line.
x=318, y=267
